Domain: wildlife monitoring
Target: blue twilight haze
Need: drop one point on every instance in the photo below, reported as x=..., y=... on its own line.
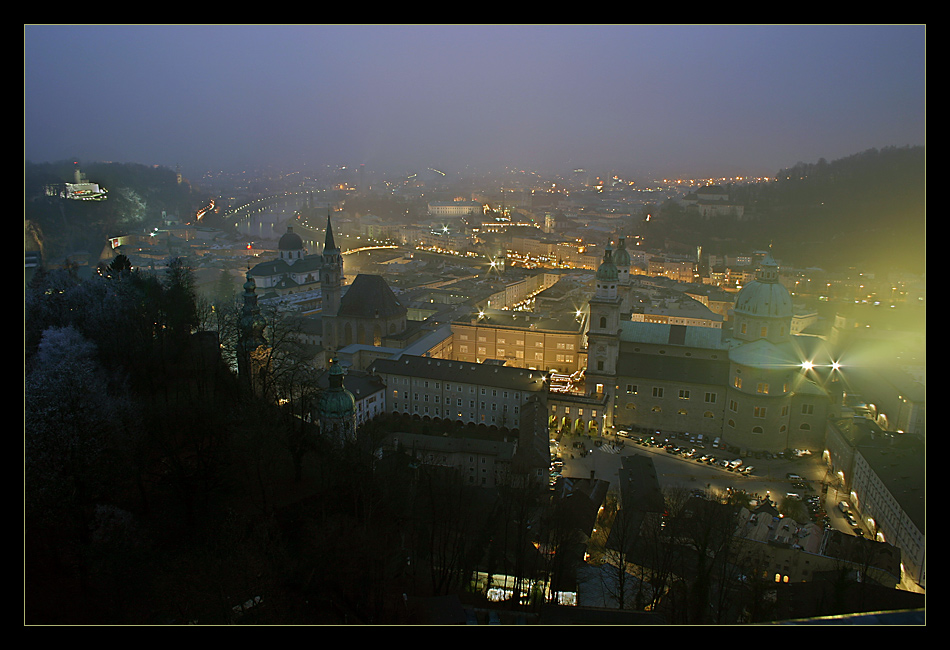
x=689, y=100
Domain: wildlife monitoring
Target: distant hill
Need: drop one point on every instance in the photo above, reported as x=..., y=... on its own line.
x=137, y=197
x=866, y=210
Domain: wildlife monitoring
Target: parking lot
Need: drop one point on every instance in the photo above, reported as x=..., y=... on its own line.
x=713, y=469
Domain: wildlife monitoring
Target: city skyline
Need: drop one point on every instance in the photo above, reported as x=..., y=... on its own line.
x=638, y=99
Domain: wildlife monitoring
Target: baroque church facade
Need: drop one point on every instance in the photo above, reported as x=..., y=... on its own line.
x=293, y=271
x=754, y=385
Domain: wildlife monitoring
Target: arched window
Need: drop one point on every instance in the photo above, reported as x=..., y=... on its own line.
x=756, y=429
x=708, y=414
x=603, y=322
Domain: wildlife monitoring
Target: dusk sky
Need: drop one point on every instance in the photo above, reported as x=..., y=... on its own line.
x=686, y=100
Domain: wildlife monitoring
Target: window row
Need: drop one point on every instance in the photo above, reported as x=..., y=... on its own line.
x=684, y=393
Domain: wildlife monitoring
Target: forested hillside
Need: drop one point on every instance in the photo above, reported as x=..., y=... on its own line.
x=867, y=211
x=137, y=197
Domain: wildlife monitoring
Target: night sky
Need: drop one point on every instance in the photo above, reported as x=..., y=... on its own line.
x=664, y=100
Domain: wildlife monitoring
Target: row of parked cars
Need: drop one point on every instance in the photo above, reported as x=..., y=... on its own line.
x=845, y=509
x=696, y=453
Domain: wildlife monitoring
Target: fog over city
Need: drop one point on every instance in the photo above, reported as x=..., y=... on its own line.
x=474, y=325
x=638, y=99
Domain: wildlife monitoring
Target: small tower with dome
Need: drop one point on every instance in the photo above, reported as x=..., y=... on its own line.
x=336, y=409
x=622, y=261
x=253, y=353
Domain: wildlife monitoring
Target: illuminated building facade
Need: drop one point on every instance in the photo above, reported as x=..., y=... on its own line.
x=440, y=389
x=455, y=208
x=522, y=340
x=747, y=385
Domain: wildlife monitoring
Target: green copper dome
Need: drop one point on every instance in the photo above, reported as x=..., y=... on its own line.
x=336, y=403
x=765, y=296
x=622, y=257
x=607, y=271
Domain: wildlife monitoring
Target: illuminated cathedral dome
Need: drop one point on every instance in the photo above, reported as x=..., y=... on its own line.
x=763, y=308
x=765, y=296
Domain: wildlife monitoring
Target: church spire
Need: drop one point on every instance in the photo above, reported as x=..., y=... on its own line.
x=329, y=243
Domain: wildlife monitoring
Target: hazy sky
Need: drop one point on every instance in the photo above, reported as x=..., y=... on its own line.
x=693, y=100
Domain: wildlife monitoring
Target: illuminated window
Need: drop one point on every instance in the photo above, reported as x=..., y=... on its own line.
x=759, y=412
x=762, y=388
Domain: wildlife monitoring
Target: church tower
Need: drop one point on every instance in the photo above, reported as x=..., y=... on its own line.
x=603, y=335
x=622, y=262
x=253, y=353
x=336, y=409
x=331, y=288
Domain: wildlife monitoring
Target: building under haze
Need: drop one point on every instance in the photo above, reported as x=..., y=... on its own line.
x=752, y=385
x=366, y=313
x=293, y=271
